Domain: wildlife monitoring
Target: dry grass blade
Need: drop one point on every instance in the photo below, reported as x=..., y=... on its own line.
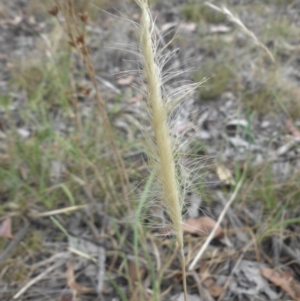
x=38, y=278
x=58, y=211
x=246, y=31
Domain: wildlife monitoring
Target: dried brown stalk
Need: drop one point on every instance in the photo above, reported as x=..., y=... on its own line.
x=77, y=39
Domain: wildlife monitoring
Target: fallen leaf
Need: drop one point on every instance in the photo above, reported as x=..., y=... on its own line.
x=77, y=288
x=124, y=81
x=225, y=175
x=292, y=128
x=5, y=229
x=133, y=273
x=135, y=280
x=24, y=133
x=238, y=123
x=136, y=98
x=191, y=27
x=214, y=289
x=284, y=280
x=219, y=29
x=203, y=270
x=202, y=226
x=15, y=21
x=24, y=170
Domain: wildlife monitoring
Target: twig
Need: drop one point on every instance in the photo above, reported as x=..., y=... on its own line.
x=276, y=250
x=47, y=261
x=13, y=244
x=101, y=269
x=288, y=251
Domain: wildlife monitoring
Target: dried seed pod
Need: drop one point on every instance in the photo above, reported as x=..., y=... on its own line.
x=83, y=17
x=53, y=11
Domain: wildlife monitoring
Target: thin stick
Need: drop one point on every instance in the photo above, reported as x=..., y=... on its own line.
x=38, y=278
x=217, y=225
x=13, y=244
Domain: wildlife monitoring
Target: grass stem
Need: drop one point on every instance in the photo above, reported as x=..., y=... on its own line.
x=164, y=155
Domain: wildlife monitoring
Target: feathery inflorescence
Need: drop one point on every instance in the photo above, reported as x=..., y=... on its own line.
x=160, y=104
x=159, y=111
